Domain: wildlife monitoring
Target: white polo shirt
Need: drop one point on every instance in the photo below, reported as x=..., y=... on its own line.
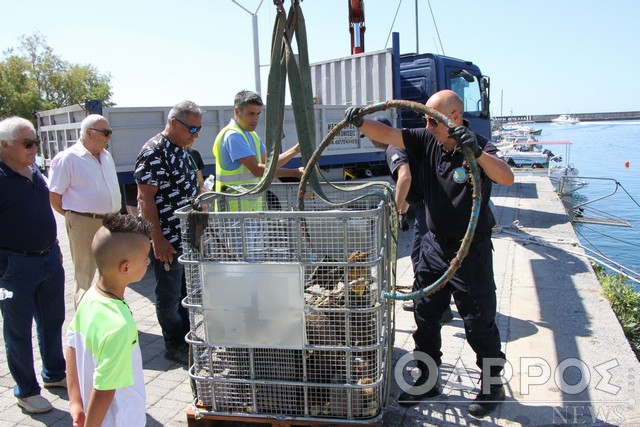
x=86, y=184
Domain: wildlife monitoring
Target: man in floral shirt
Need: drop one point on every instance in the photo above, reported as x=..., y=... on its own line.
x=167, y=181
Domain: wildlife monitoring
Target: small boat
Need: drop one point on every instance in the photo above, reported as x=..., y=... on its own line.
x=565, y=119
x=516, y=129
x=530, y=156
x=525, y=153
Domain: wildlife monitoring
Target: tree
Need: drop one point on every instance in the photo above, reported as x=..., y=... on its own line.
x=34, y=78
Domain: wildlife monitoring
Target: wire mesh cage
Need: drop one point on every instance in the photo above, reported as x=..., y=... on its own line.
x=286, y=307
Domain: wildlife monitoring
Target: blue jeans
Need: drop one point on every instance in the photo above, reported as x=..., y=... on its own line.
x=37, y=283
x=171, y=289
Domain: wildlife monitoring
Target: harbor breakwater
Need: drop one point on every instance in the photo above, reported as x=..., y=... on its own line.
x=585, y=117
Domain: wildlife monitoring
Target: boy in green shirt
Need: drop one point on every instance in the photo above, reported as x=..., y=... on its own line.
x=104, y=363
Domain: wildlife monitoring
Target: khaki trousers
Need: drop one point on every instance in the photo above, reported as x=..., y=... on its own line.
x=81, y=230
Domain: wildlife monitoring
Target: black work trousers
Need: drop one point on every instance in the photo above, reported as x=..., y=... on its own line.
x=473, y=290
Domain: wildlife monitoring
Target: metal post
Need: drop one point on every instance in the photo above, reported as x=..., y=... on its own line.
x=417, y=42
x=256, y=52
x=256, y=46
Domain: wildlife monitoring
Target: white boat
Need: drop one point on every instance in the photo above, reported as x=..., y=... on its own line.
x=565, y=119
x=522, y=128
x=525, y=153
x=531, y=156
x=511, y=130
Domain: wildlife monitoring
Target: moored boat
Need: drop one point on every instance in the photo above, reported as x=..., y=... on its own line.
x=531, y=155
x=565, y=119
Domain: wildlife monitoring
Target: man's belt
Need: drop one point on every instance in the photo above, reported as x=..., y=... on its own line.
x=26, y=252
x=90, y=215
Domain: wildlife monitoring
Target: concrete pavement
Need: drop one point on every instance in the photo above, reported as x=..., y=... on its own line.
x=569, y=362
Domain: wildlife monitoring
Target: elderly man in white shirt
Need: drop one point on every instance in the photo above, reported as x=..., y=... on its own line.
x=84, y=187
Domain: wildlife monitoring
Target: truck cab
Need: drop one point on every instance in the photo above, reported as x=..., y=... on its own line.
x=423, y=75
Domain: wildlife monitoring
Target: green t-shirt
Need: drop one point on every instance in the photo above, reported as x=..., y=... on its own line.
x=105, y=337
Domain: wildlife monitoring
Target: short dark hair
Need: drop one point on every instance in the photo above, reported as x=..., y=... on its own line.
x=246, y=97
x=118, y=223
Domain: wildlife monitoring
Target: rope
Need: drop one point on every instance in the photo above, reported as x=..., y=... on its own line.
x=631, y=197
x=601, y=259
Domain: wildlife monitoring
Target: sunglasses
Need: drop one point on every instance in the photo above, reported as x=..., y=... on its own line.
x=192, y=129
x=433, y=122
x=28, y=143
x=430, y=121
x=105, y=132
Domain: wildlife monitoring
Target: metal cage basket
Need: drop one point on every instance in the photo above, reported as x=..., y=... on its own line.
x=286, y=307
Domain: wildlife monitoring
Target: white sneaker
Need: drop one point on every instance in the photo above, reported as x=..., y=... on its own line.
x=35, y=404
x=62, y=383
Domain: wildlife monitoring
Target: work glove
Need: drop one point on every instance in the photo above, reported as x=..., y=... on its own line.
x=351, y=114
x=466, y=138
x=403, y=222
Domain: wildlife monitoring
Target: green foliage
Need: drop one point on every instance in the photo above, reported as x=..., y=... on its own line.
x=625, y=302
x=32, y=78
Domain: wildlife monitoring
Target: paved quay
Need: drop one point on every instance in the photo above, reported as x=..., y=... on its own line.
x=569, y=362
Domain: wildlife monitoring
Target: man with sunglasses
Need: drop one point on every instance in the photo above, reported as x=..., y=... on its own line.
x=167, y=180
x=403, y=169
x=444, y=177
x=31, y=272
x=84, y=187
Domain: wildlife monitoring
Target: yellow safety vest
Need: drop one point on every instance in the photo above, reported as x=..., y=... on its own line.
x=239, y=176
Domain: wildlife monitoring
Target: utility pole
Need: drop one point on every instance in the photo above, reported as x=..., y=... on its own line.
x=417, y=39
x=256, y=46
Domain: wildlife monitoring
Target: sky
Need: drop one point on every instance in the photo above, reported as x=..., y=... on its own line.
x=543, y=57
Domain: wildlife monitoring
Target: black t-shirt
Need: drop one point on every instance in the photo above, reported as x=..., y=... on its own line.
x=197, y=158
x=449, y=202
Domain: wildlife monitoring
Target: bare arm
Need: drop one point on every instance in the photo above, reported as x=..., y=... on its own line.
x=76, y=409
x=56, y=202
x=162, y=249
x=496, y=169
x=288, y=155
x=257, y=169
x=402, y=187
x=200, y=179
x=98, y=406
x=380, y=132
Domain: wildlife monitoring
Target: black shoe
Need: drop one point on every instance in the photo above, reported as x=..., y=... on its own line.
x=408, y=306
x=484, y=403
x=408, y=398
x=179, y=355
x=447, y=316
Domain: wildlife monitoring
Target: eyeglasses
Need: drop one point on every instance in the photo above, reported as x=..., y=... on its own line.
x=433, y=122
x=105, y=132
x=192, y=129
x=28, y=143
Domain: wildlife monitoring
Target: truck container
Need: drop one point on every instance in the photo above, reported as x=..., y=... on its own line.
x=132, y=127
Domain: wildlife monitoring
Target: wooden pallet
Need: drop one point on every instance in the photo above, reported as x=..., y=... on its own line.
x=207, y=420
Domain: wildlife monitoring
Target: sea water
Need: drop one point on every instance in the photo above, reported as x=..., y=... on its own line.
x=606, y=149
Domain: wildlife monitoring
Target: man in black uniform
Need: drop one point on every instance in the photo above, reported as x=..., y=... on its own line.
x=402, y=170
x=446, y=181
